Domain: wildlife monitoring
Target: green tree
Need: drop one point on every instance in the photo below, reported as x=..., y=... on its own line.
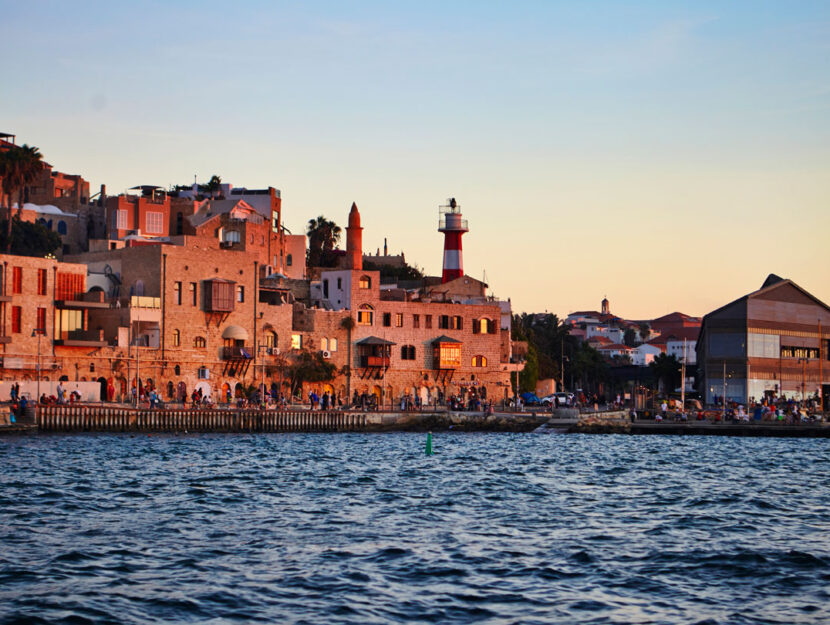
x=388, y=273
x=323, y=239
x=308, y=367
x=666, y=370
x=28, y=239
x=630, y=337
x=19, y=168
x=530, y=374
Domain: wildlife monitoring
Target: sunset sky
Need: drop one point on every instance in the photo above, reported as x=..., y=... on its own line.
x=667, y=155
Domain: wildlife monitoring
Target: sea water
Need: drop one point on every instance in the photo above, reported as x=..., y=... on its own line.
x=365, y=528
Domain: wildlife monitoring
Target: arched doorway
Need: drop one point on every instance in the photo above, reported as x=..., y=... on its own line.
x=182, y=392
x=102, y=393
x=170, y=390
x=226, y=393
x=238, y=390
x=63, y=378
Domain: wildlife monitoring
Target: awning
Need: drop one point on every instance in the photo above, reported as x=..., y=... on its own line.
x=373, y=340
x=446, y=339
x=236, y=333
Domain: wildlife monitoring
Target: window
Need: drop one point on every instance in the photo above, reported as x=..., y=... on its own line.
x=428, y=321
x=177, y=369
x=270, y=339
x=332, y=345
x=17, y=279
x=155, y=222
x=444, y=322
x=340, y=283
x=416, y=321
x=194, y=294
x=407, y=352
x=763, y=345
x=447, y=355
x=16, y=313
x=41, y=282
x=479, y=361
x=121, y=219
x=296, y=341
x=387, y=319
x=240, y=294
x=40, y=321
x=61, y=227
x=324, y=344
x=457, y=323
x=398, y=320
x=177, y=338
x=177, y=293
x=199, y=342
x=365, y=282
x=289, y=260
x=326, y=289
x=365, y=315
x=799, y=352
x=492, y=328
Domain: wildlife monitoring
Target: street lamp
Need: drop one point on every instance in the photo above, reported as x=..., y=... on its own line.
x=39, y=332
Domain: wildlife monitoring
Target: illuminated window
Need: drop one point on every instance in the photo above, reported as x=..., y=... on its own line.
x=479, y=361
x=199, y=342
x=324, y=344
x=177, y=292
x=296, y=341
x=240, y=294
x=365, y=315
x=447, y=355
x=270, y=339
x=177, y=338
x=194, y=294
x=398, y=320
x=332, y=345
x=365, y=282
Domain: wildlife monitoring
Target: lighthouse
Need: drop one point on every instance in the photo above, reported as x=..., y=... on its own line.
x=453, y=226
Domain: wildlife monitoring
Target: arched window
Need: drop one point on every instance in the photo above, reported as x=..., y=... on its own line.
x=270, y=339
x=332, y=344
x=365, y=282
x=199, y=341
x=177, y=338
x=177, y=370
x=479, y=361
x=170, y=390
x=61, y=227
x=324, y=344
x=407, y=352
x=365, y=315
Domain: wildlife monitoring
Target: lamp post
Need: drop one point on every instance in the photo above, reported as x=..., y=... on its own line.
x=803, y=363
x=262, y=348
x=39, y=332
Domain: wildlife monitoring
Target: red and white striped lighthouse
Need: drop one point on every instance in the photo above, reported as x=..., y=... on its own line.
x=453, y=226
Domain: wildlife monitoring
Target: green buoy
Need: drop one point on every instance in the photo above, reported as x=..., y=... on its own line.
x=428, y=449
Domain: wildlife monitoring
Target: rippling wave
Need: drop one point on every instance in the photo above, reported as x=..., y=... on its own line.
x=357, y=528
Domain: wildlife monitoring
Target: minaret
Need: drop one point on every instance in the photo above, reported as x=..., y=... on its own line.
x=354, y=240
x=606, y=309
x=453, y=226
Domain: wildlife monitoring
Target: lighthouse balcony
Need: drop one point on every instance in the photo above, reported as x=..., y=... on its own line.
x=452, y=223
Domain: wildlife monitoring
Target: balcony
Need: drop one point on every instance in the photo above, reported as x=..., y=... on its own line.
x=81, y=300
x=236, y=352
x=374, y=361
x=80, y=338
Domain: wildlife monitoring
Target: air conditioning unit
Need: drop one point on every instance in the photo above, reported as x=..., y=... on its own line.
x=204, y=373
x=273, y=351
x=326, y=353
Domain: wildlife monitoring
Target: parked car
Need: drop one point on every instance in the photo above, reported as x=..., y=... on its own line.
x=564, y=399
x=548, y=400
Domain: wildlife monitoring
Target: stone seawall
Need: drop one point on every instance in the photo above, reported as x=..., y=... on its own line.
x=111, y=419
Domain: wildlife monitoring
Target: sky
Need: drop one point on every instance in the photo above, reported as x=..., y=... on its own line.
x=666, y=155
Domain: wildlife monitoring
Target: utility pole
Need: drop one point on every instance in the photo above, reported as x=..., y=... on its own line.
x=820, y=372
x=683, y=380
x=723, y=412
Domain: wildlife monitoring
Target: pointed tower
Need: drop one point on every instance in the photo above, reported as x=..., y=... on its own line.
x=354, y=240
x=453, y=226
x=606, y=309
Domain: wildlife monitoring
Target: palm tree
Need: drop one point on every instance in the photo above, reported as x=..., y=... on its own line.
x=19, y=168
x=213, y=185
x=348, y=324
x=323, y=238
